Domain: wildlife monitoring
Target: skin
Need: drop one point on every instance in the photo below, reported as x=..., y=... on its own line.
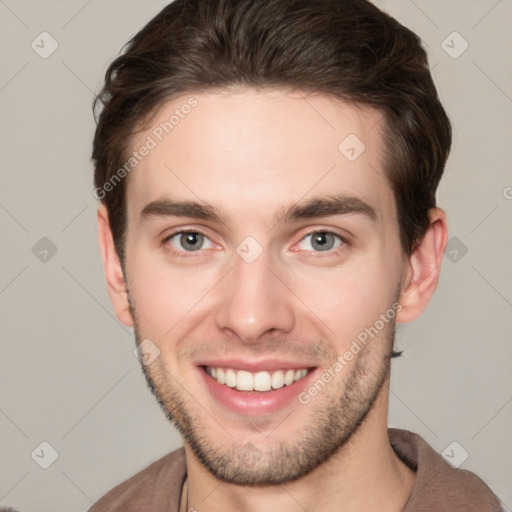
x=252, y=154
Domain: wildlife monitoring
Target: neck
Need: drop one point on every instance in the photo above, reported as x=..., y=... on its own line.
x=364, y=474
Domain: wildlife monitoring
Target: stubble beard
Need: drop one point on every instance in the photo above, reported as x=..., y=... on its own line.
x=334, y=417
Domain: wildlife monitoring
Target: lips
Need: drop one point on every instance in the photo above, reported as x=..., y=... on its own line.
x=255, y=388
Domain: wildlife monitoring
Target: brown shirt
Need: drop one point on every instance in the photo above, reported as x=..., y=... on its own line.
x=438, y=486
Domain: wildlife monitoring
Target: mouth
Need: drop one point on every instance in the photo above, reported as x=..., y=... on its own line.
x=249, y=390
x=261, y=381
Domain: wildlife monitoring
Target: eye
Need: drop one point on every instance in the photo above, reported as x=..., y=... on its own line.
x=321, y=241
x=189, y=241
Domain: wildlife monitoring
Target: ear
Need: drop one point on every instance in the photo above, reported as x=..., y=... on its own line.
x=422, y=270
x=116, y=284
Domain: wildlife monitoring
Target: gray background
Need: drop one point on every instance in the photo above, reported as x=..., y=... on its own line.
x=67, y=369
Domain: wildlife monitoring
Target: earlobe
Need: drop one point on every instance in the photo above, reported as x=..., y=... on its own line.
x=423, y=268
x=116, y=284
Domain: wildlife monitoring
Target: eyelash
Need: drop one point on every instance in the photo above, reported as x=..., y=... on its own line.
x=190, y=254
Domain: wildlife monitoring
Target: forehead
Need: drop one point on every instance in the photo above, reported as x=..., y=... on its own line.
x=250, y=151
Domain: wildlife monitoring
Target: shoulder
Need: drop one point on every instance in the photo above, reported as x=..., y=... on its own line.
x=152, y=488
x=440, y=486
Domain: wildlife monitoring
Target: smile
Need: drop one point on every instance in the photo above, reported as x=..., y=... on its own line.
x=243, y=380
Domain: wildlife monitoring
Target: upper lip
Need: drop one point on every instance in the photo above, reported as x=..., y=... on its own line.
x=256, y=366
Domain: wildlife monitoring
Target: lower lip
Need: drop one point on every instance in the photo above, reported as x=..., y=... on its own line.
x=255, y=402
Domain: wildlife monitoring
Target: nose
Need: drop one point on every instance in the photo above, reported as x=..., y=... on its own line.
x=254, y=301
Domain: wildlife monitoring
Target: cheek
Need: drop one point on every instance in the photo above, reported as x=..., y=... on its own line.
x=166, y=300
x=165, y=297
x=349, y=298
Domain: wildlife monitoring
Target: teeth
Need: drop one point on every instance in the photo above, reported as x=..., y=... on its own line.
x=259, y=381
x=262, y=381
x=278, y=379
x=299, y=374
x=289, y=377
x=230, y=378
x=244, y=381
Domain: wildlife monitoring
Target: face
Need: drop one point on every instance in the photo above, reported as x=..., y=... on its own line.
x=258, y=251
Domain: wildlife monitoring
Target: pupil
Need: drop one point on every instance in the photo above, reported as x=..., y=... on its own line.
x=323, y=241
x=191, y=241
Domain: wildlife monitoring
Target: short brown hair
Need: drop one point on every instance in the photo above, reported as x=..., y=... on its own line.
x=345, y=48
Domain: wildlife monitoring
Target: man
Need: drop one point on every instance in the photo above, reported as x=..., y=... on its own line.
x=267, y=172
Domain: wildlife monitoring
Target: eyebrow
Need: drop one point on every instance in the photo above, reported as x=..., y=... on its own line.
x=172, y=208
x=327, y=206
x=314, y=208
